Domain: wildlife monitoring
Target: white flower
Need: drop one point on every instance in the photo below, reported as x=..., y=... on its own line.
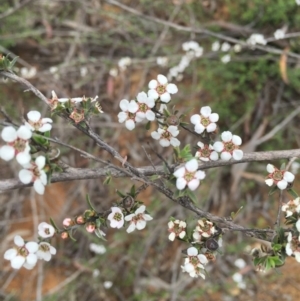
x=28, y=73
x=137, y=219
x=281, y=178
x=206, y=121
x=45, y=251
x=113, y=72
x=17, y=144
x=145, y=104
x=291, y=207
x=33, y=172
x=129, y=113
x=297, y=2
x=204, y=229
x=237, y=48
x=162, y=61
x=116, y=218
x=206, y=152
x=124, y=63
x=279, y=34
x=160, y=88
x=98, y=249
x=188, y=175
x=293, y=246
x=167, y=136
x=194, y=263
x=256, y=38
x=23, y=254
x=177, y=228
x=215, y=46
x=192, y=48
x=225, y=47
x=240, y=263
x=36, y=123
x=229, y=147
x=226, y=58
x=107, y=284
x=45, y=230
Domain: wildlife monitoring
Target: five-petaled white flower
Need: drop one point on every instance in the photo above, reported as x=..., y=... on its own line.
x=229, y=148
x=33, y=172
x=138, y=219
x=145, y=104
x=293, y=246
x=17, y=144
x=177, y=228
x=195, y=263
x=160, y=88
x=291, y=207
x=45, y=251
x=166, y=136
x=281, y=178
x=129, y=113
x=23, y=254
x=116, y=218
x=45, y=230
x=36, y=123
x=206, y=152
x=188, y=175
x=204, y=229
x=205, y=121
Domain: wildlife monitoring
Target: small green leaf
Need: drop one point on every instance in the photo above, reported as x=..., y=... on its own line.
x=192, y=196
x=132, y=191
x=12, y=63
x=273, y=189
x=148, y=124
x=53, y=224
x=71, y=236
x=121, y=194
x=98, y=234
x=107, y=180
x=293, y=193
x=89, y=202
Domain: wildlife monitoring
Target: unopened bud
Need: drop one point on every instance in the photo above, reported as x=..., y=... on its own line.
x=64, y=235
x=80, y=220
x=67, y=222
x=90, y=228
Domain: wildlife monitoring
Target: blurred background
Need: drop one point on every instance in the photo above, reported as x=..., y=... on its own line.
x=113, y=49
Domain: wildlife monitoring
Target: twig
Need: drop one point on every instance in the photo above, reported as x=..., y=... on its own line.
x=201, y=31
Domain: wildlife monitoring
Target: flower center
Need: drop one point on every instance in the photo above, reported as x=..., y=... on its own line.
x=189, y=176
x=194, y=260
x=277, y=175
x=44, y=247
x=205, y=152
x=23, y=251
x=19, y=145
x=229, y=147
x=118, y=216
x=161, y=89
x=131, y=115
x=77, y=116
x=36, y=125
x=205, y=121
x=166, y=135
x=143, y=107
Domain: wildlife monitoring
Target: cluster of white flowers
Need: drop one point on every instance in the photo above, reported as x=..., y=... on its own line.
x=26, y=254
x=256, y=38
x=291, y=207
x=292, y=247
x=137, y=220
x=281, y=178
x=142, y=108
x=205, y=121
x=194, y=263
x=17, y=145
x=192, y=50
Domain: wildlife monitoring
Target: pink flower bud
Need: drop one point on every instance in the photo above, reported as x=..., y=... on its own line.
x=90, y=228
x=80, y=220
x=64, y=235
x=67, y=222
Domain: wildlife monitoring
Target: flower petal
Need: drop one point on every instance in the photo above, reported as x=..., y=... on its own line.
x=25, y=176
x=23, y=158
x=225, y=156
x=193, y=185
x=236, y=140
x=130, y=124
x=162, y=79
x=195, y=119
x=181, y=183
x=270, y=168
x=218, y=146
x=211, y=127
x=166, y=97
x=172, y=88
x=191, y=165
x=214, y=117
x=192, y=251
x=19, y=241
x=130, y=228
x=200, y=175
x=39, y=187
x=7, y=152
x=17, y=262
x=289, y=177
x=124, y=105
x=9, y=134
x=237, y=154
x=153, y=84
x=226, y=136
x=205, y=111
x=180, y=172
x=282, y=184
x=269, y=182
x=34, y=116
x=141, y=224
x=24, y=132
